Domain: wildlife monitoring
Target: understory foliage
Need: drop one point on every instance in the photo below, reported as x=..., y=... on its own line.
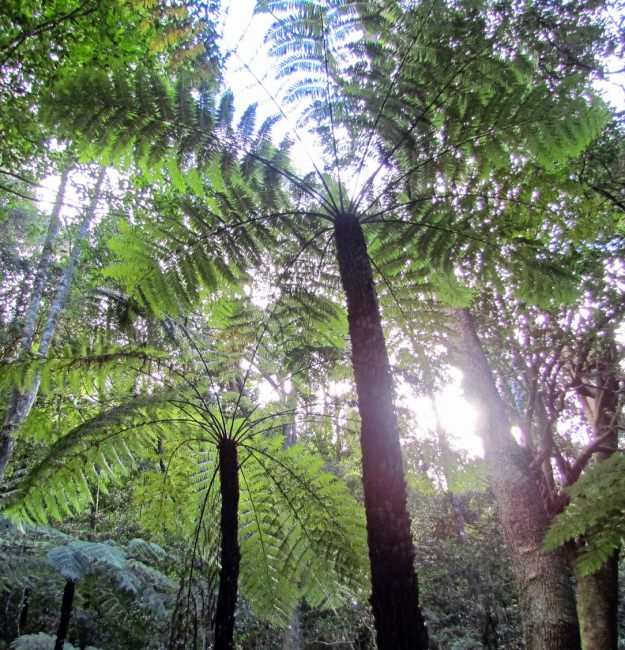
x=468, y=144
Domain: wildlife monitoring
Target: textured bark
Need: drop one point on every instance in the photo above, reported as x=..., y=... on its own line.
x=394, y=599
x=545, y=590
x=597, y=607
x=597, y=594
x=230, y=553
x=21, y=403
x=66, y=613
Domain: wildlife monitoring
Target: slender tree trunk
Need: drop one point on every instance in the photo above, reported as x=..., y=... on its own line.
x=230, y=553
x=292, y=636
x=545, y=590
x=66, y=613
x=394, y=599
x=24, y=605
x=41, y=275
x=21, y=403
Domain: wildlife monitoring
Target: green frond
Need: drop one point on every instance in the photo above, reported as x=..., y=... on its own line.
x=76, y=367
x=42, y=641
x=77, y=559
x=301, y=533
x=97, y=452
x=595, y=517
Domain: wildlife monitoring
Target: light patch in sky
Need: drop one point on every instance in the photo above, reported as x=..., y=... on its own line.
x=457, y=416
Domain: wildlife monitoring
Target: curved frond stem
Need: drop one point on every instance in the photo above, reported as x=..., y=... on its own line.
x=441, y=228
x=387, y=96
x=265, y=325
x=294, y=130
x=175, y=450
x=209, y=374
x=196, y=534
x=409, y=330
x=188, y=382
x=413, y=125
x=295, y=511
x=181, y=405
x=423, y=163
x=255, y=452
x=298, y=182
x=259, y=528
x=326, y=65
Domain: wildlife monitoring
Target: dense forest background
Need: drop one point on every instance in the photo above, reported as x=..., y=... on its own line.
x=236, y=338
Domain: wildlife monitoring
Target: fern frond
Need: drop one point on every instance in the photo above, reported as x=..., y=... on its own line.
x=595, y=516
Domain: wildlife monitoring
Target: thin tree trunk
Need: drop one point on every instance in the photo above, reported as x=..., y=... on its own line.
x=41, y=275
x=545, y=591
x=292, y=636
x=21, y=403
x=395, y=598
x=230, y=553
x=24, y=605
x=66, y=613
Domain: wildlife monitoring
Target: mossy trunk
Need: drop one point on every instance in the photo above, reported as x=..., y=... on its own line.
x=597, y=607
x=394, y=598
x=230, y=553
x=66, y=613
x=543, y=581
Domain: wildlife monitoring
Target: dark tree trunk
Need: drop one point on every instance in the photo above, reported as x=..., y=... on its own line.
x=66, y=613
x=545, y=590
x=230, y=553
x=394, y=599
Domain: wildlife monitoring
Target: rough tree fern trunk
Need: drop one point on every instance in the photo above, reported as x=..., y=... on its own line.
x=66, y=613
x=394, y=599
x=545, y=591
x=230, y=553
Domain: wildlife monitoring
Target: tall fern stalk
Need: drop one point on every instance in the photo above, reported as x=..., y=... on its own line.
x=394, y=593
x=230, y=552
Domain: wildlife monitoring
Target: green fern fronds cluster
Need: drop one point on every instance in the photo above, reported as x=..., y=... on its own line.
x=301, y=533
x=42, y=641
x=97, y=452
x=71, y=368
x=595, y=517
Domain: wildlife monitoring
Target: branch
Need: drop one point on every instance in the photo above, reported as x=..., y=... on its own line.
x=591, y=448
